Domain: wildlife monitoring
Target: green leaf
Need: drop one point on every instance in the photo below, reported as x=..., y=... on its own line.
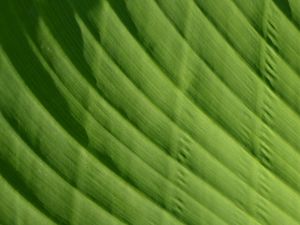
x=149, y=112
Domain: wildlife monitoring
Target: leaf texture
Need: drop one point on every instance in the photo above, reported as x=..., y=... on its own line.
x=153, y=112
